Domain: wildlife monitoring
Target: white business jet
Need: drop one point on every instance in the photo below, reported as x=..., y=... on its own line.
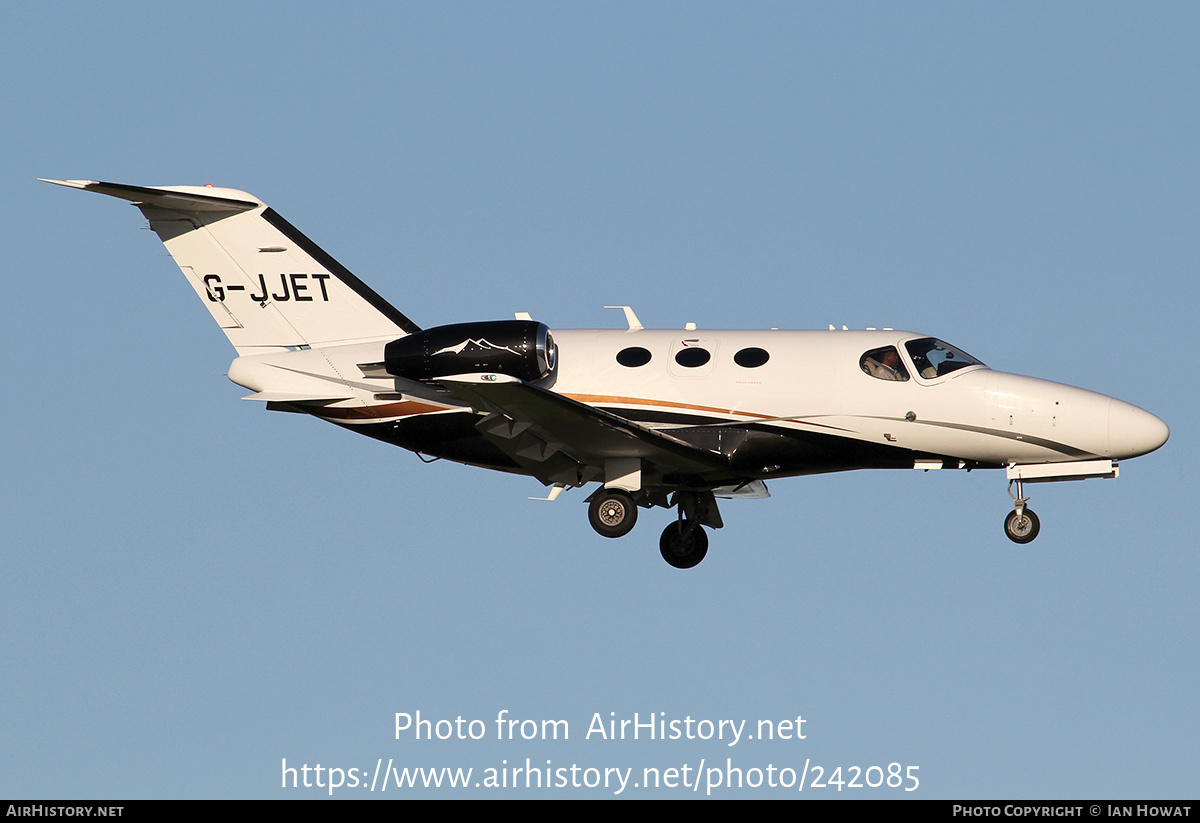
x=657, y=417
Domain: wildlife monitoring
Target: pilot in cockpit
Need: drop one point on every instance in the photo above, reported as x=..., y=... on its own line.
x=884, y=364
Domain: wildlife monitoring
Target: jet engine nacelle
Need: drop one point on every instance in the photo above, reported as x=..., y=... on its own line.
x=518, y=348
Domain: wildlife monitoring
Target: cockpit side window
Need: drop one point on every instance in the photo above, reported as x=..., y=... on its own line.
x=933, y=358
x=884, y=364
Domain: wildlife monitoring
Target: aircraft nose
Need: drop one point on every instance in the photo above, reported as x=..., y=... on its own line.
x=1133, y=431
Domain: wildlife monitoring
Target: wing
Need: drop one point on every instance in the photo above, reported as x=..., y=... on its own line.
x=560, y=440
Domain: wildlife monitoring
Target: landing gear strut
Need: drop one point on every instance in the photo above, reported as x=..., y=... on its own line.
x=1021, y=525
x=612, y=513
x=684, y=543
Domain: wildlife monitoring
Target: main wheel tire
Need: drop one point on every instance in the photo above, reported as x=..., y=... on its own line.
x=1022, y=528
x=612, y=513
x=683, y=544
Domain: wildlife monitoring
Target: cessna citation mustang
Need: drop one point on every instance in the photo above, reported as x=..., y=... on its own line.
x=657, y=418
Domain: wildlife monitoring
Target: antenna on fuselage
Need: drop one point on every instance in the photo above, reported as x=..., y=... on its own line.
x=630, y=317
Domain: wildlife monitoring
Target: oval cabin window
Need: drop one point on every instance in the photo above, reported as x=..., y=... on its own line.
x=692, y=357
x=751, y=358
x=633, y=357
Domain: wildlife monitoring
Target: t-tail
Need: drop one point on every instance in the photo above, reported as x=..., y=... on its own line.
x=267, y=285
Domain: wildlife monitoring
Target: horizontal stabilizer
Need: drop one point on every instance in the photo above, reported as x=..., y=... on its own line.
x=191, y=198
x=296, y=397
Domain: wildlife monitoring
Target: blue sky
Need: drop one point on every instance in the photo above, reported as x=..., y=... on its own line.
x=193, y=589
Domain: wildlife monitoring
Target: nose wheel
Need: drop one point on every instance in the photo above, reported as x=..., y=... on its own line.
x=1021, y=525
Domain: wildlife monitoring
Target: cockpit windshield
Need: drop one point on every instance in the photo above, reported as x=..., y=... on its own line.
x=933, y=358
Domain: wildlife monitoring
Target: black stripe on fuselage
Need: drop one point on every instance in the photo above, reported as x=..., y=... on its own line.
x=762, y=450
x=1053, y=445
x=715, y=424
x=340, y=272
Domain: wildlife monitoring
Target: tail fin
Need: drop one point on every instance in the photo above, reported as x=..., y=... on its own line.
x=266, y=284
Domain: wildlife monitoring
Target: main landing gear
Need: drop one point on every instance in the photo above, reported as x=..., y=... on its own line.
x=1021, y=525
x=684, y=543
x=612, y=513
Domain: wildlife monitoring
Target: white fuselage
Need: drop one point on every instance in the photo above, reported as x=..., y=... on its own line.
x=812, y=383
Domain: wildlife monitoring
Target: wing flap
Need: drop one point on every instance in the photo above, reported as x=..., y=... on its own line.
x=589, y=436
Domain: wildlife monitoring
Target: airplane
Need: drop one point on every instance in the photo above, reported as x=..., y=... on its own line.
x=658, y=418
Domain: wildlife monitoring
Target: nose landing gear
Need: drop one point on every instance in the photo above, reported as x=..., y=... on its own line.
x=1021, y=525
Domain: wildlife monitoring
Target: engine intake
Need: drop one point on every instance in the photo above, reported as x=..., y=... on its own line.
x=519, y=348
